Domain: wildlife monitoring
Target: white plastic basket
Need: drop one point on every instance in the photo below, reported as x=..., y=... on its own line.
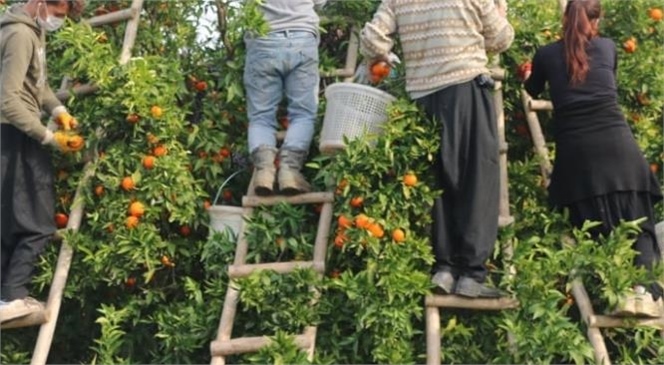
x=225, y=217
x=351, y=110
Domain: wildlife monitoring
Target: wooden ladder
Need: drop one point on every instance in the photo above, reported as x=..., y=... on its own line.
x=593, y=322
x=47, y=318
x=224, y=345
x=433, y=303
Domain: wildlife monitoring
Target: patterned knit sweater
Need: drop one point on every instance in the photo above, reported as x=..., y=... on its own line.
x=444, y=42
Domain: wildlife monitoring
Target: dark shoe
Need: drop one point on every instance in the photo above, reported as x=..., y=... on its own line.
x=444, y=282
x=470, y=288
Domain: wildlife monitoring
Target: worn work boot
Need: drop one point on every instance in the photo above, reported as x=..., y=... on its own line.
x=19, y=308
x=444, y=282
x=263, y=160
x=291, y=181
x=469, y=287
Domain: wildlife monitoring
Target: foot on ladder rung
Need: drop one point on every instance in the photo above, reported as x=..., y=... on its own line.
x=243, y=345
x=32, y=319
x=309, y=198
x=243, y=270
x=456, y=301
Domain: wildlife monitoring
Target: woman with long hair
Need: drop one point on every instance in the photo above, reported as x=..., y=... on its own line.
x=599, y=172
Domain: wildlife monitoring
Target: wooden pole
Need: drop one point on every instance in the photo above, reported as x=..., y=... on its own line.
x=79, y=90
x=538, y=137
x=130, y=32
x=251, y=344
x=455, y=301
x=45, y=337
x=244, y=270
x=587, y=313
x=433, y=335
x=540, y=105
x=318, y=197
x=114, y=17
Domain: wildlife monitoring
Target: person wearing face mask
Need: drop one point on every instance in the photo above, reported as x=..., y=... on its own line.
x=27, y=193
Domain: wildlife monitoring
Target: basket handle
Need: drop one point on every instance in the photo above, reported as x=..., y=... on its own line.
x=224, y=184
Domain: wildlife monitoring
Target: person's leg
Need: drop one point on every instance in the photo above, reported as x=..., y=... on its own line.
x=301, y=91
x=32, y=222
x=263, y=82
x=9, y=155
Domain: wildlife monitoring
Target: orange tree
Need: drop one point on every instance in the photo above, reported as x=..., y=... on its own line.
x=147, y=284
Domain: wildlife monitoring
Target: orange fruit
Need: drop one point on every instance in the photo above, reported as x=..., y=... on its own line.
x=654, y=168
x=130, y=282
x=201, y=86
x=340, y=240
x=133, y=118
x=131, y=222
x=75, y=142
x=110, y=228
x=335, y=274
x=136, y=209
x=62, y=174
x=152, y=139
x=159, y=151
x=655, y=14
x=207, y=204
x=185, y=231
x=357, y=202
x=376, y=230
x=61, y=220
x=127, y=183
x=148, y=162
x=398, y=235
x=362, y=221
x=227, y=194
x=379, y=71
x=99, y=190
x=156, y=112
x=225, y=152
x=344, y=222
x=166, y=261
x=410, y=179
x=630, y=45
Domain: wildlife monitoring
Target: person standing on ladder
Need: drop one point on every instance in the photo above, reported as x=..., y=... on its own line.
x=445, y=45
x=28, y=197
x=283, y=62
x=599, y=172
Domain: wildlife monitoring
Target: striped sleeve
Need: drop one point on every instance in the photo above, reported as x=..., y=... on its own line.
x=375, y=39
x=498, y=33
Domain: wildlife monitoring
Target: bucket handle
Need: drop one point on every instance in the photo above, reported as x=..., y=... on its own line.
x=224, y=184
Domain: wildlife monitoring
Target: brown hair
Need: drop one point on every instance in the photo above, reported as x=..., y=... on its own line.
x=578, y=30
x=75, y=6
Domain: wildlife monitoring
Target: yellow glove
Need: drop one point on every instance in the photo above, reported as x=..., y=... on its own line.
x=66, y=121
x=68, y=142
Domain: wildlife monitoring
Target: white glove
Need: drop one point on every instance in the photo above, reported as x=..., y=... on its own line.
x=393, y=59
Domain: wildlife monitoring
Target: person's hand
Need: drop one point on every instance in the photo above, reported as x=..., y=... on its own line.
x=66, y=121
x=64, y=141
x=524, y=70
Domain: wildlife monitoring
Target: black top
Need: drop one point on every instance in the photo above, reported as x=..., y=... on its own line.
x=596, y=153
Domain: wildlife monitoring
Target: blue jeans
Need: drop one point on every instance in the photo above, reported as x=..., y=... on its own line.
x=277, y=65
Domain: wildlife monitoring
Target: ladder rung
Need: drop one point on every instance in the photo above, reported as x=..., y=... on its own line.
x=504, y=221
x=600, y=321
x=497, y=73
x=537, y=105
x=503, y=147
x=239, y=271
x=341, y=72
x=79, y=90
x=309, y=198
x=243, y=345
x=32, y=319
x=110, y=18
x=455, y=301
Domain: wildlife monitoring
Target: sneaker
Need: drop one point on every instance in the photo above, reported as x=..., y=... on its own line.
x=645, y=305
x=469, y=287
x=19, y=308
x=444, y=282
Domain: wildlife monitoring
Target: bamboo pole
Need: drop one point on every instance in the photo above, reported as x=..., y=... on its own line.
x=79, y=90
x=538, y=137
x=130, y=32
x=497, y=73
x=239, y=271
x=455, y=301
x=46, y=330
x=323, y=233
x=33, y=319
x=114, y=17
x=540, y=105
x=587, y=313
x=251, y=344
x=433, y=335
x=318, y=197
x=600, y=321
x=348, y=72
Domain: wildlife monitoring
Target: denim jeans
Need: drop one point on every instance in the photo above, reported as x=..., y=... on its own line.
x=282, y=64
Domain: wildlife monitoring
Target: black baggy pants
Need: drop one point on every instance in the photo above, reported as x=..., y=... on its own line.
x=28, y=205
x=467, y=169
x=610, y=209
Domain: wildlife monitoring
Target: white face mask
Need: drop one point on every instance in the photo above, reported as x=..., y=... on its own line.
x=52, y=23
